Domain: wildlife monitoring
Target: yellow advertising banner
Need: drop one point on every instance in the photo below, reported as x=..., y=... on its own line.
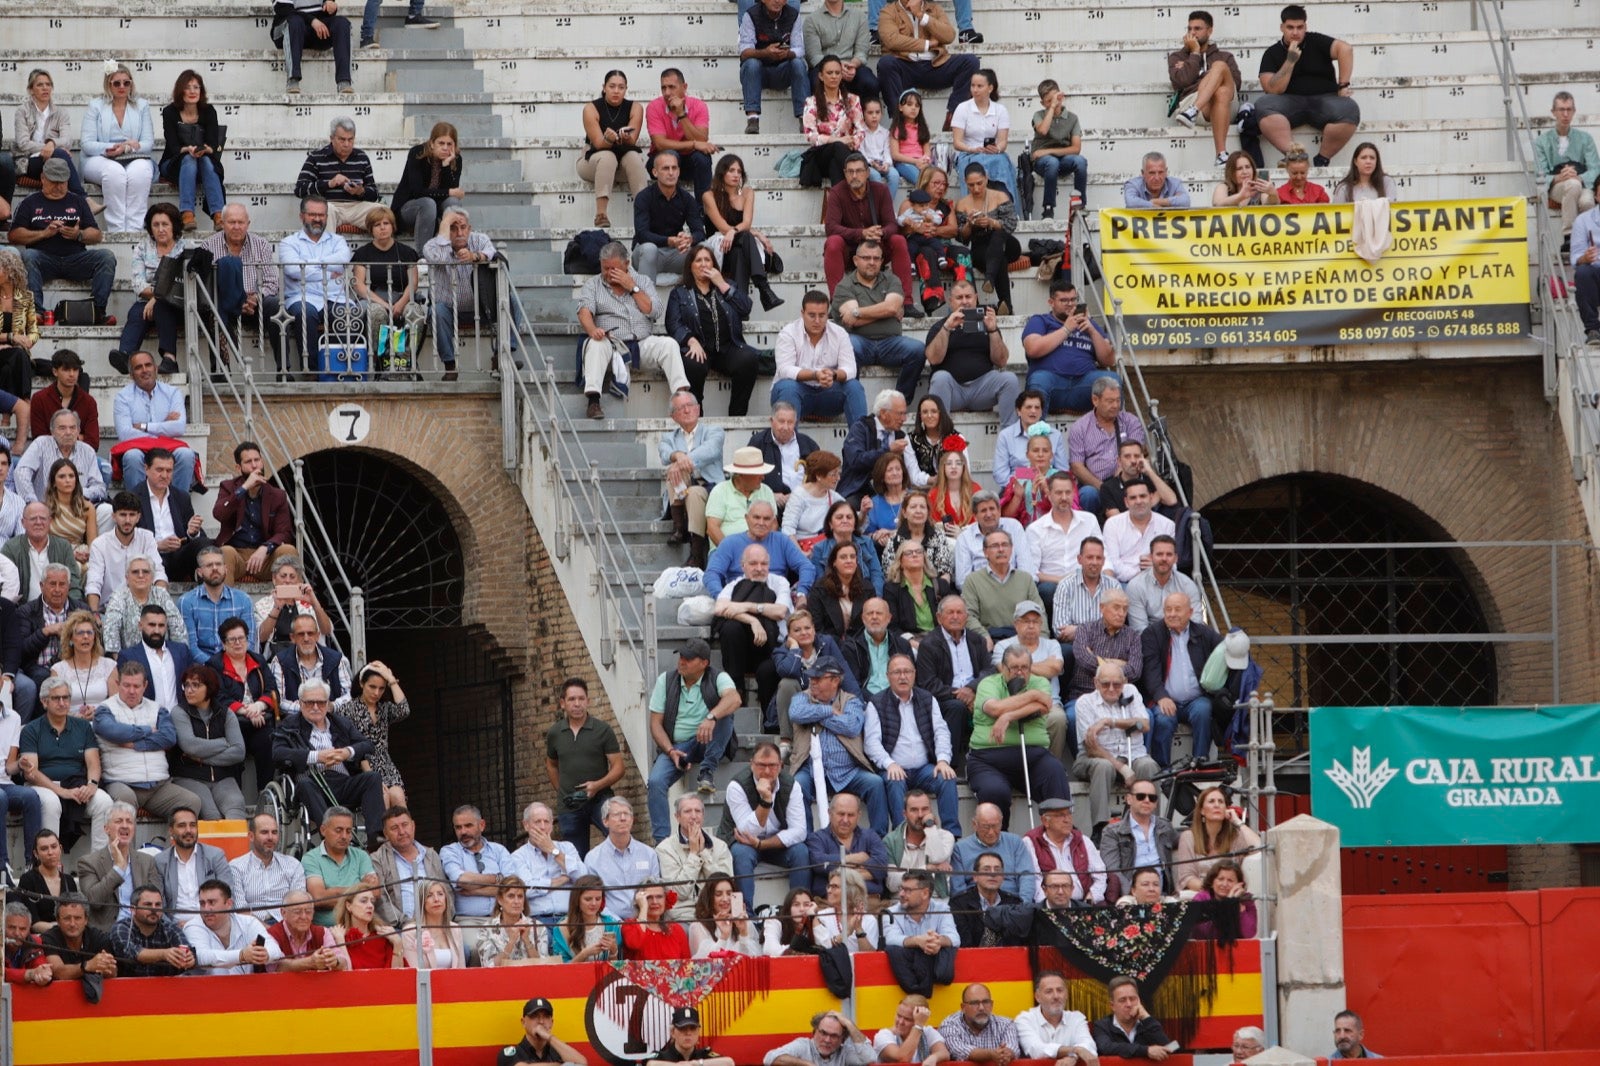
x=1271, y=276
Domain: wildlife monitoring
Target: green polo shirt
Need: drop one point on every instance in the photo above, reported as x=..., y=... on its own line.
x=582, y=757
x=318, y=863
x=993, y=687
x=692, y=709
x=727, y=505
x=60, y=754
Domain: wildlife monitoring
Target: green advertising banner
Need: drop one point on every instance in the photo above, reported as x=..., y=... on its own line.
x=1401, y=776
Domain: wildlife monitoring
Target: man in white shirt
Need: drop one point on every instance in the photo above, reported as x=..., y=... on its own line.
x=1128, y=535
x=816, y=367
x=1112, y=722
x=171, y=518
x=314, y=260
x=1056, y=538
x=1059, y=848
x=545, y=864
x=764, y=820
x=226, y=943
x=1049, y=1030
x=969, y=542
x=111, y=553
x=901, y=722
x=263, y=875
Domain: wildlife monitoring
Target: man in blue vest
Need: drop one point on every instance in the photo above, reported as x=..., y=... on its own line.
x=691, y=721
x=909, y=740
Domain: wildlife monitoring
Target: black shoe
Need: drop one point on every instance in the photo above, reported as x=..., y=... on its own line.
x=914, y=310
x=876, y=40
x=594, y=409
x=1048, y=213
x=168, y=365
x=1320, y=161
x=770, y=299
x=752, y=125
x=970, y=37
x=119, y=361
x=421, y=22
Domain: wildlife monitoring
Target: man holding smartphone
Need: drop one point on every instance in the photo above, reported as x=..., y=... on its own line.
x=1066, y=351
x=772, y=48
x=969, y=356
x=342, y=174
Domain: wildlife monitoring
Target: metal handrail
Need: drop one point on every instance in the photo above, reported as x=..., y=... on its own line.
x=579, y=481
x=202, y=344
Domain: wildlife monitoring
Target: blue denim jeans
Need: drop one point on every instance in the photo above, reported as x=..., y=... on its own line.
x=192, y=172
x=664, y=774
x=1051, y=167
x=808, y=400
x=865, y=784
x=1064, y=393
x=1197, y=712
x=24, y=801
x=755, y=75
x=95, y=265
x=795, y=858
x=943, y=791
x=901, y=351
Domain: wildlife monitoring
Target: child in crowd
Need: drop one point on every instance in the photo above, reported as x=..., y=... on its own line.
x=910, y=143
x=875, y=146
x=927, y=252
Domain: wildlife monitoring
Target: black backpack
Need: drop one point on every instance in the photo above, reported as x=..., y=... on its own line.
x=583, y=252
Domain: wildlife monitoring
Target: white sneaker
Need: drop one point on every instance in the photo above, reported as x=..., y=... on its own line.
x=1222, y=158
x=1188, y=116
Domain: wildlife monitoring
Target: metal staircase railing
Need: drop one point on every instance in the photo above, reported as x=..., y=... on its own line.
x=240, y=401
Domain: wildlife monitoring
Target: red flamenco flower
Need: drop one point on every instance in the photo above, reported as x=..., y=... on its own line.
x=1130, y=931
x=955, y=442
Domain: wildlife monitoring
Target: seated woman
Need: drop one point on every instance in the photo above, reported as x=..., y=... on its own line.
x=861, y=925
x=1027, y=494
x=45, y=880
x=19, y=329
x=43, y=130
x=927, y=221
x=1225, y=880
x=122, y=614
x=84, y=665
x=249, y=691
x=839, y=527
x=72, y=517
x=917, y=526
x=841, y=592
x=651, y=935
x=612, y=124
x=1214, y=833
x=429, y=185
x=913, y=592
x=1298, y=190
x=192, y=155
x=209, y=756
x=386, y=277
x=1145, y=890
x=589, y=933
x=811, y=503
x=1241, y=186
x=831, y=121
x=934, y=424
x=706, y=316
x=433, y=941
x=742, y=251
x=512, y=937
x=720, y=924
x=798, y=653
x=361, y=942
x=117, y=138
x=377, y=704
x=880, y=512
x=953, y=488
x=790, y=933
x=981, y=127
x=161, y=241
x=985, y=219
x=1365, y=179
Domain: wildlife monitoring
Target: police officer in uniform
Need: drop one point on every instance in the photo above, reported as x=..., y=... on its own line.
x=685, y=1044
x=539, y=1044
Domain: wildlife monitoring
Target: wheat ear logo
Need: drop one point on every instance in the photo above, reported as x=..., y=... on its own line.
x=1363, y=781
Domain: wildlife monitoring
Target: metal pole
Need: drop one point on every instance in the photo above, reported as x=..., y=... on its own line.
x=510, y=423
x=191, y=349
x=358, y=626
x=1555, y=629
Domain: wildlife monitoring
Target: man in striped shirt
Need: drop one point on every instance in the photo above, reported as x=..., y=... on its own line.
x=1077, y=599
x=340, y=173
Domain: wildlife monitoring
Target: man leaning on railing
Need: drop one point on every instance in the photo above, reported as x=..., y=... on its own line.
x=464, y=289
x=246, y=279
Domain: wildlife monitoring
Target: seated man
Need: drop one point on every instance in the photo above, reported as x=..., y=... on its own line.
x=870, y=438
x=855, y=210
x=729, y=503
x=1060, y=849
x=1049, y=1030
x=908, y=739
x=1008, y=733
x=1148, y=592
x=841, y=29
x=1017, y=859
x=969, y=356
x=972, y=538
x=682, y=123
x=263, y=876
x=1175, y=653
x=870, y=311
x=816, y=365
x=1585, y=271
x=246, y=279
x=474, y=866
x=402, y=864
x=621, y=862
x=212, y=601
x=334, y=867
x=845, y=842
x=135, y=735
x=113, y=553
x=1057, y=142
x=950, y=663
x=314, y=260
x=1106, y=637
x=73, y=947
x=1129, y=535
x=149, y=414
x=691, y=456
x=147, y=943
x=1011, y=443
x=1057, y=537
x=867, y=653
x=464, y=290
x=987, y=891
x=916, y=36
x=1142, y=838
x=341, y=174
x=690, y=856
x=225, y=942
x=764, y=820
x=313, y=24
x=60, y=760
x=546, y=865
x=838, y=723
x=1248, y=1042
x=1567, y=158
x=918, y=842
x=65, y=393
x=39, y=623
x=1078, y=594
x=784, y=450
x=920, y=937
x=1067, y=353
x=107, y=876
x=1129, y=1032
x=783, y=555
x=54, y=228
x=65, y=441
x=976, y=1033
x=1133, y=464
x=306, y=658
x=25, y=958
x=994, y=591
x=834, y=1040
x=1112, y=723
x=169, y=516
x=691, y=722
x=1152, y=189
x=1207, y=82
x=305, y=944
x=186, y=863
x=1302, y=89
x=1047, y=662
x=257, y=529
x=750, y=615
x=617, y=310
x=328, y=758
x=772, y=49
x=1093, y=441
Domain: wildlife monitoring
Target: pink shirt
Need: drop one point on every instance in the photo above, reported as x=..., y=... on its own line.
x=911, y=143
x=659, y=123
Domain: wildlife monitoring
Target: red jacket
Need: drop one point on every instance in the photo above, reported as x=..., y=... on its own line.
x=277, y=526
x=47, y=401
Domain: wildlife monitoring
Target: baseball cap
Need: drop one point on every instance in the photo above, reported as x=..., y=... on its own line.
x=684, y=1017
x=1236, y=649
x=695, y=648
x=1027, y=607
x=538, y=1005
x=824, y=666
